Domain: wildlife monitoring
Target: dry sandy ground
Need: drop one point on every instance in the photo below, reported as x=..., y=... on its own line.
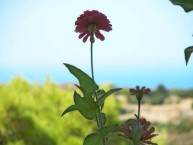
x=161, y=113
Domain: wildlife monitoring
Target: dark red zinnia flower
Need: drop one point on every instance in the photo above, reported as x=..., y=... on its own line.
x=147, y=131
x=90, y=23
x=139, y=92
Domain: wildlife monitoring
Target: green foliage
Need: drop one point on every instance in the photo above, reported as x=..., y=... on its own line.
x=136, y=134
x=93, y=139
x=69, y=109
x=187, y=52
x=104, y=95
x=187, y=5
x=30, y=115
x=117, y=140
x=86, y=106
x=90, y=105
x=108, y=130
x=86, y=83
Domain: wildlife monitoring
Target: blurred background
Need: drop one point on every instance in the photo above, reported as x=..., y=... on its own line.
x=144, y=48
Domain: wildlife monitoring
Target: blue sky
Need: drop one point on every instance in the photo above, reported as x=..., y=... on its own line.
x=145, y=47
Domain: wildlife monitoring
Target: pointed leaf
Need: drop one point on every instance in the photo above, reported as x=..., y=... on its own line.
x=105, y=95
x=93, y=139
x=108, y=130
x=85, y=93
x=86, y=106
x=69, y=109
x=187, y=53
x=187, y=5
x=86, y=82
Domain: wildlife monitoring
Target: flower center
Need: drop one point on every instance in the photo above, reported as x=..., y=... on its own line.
x=139, y=95
x=92, y=28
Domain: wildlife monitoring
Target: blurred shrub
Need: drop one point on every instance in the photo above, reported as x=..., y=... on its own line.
x=183, y=126
x=30, y=115
x=192, y=105
x=182, y=93
x=157, y=96
x=175, y=133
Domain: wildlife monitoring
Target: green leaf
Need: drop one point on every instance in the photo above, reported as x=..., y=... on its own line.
x=86, y=82
x=105, y=95
x=86, y=106
x=187, y=5
x=108, y=130
x=137, y=134
x=85, y=93
x=69, y=109
x=103, y=117
x=187, y=53
x=130, y=121
x=93, y=139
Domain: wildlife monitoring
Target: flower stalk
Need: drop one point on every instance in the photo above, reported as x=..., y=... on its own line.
x=98, y=118
x=139, y=108
x=91, y=54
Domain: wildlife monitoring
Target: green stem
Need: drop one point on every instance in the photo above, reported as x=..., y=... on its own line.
x=91, y=53
x=92, y=72
x=98, y=118
x=97, y=121
x=139, y=108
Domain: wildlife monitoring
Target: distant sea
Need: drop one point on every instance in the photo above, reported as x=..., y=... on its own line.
x=177, y=79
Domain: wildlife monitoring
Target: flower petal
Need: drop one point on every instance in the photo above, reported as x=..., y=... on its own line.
x=99, y=35
x=86, y=37
x=82, y=35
